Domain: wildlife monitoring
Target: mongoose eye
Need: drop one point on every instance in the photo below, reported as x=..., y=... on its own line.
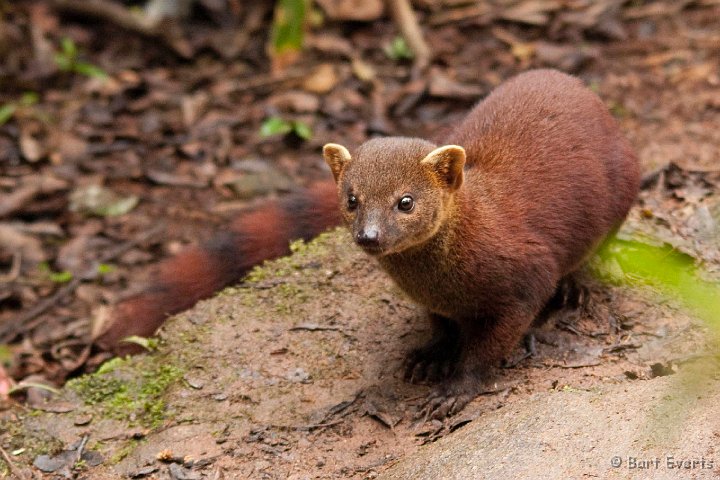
x=352, y=202
x=406, y=203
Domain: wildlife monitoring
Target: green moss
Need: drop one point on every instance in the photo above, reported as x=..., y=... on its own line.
x=80, y=466
x=290, y=292
x=35, y=442
x=257, y=274
x=98, y=388
x=111, y=365
x=124, y=451
x=137, y=399
x=301, y=250
x=298, y=246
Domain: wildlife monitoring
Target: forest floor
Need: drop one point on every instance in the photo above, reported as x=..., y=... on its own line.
x=296, y=371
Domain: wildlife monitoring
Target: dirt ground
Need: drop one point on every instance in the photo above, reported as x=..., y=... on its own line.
x=296, y=372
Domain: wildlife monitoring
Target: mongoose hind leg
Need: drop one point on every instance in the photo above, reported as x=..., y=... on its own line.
x=530, y=344
x=438, y=359
x=570, y=293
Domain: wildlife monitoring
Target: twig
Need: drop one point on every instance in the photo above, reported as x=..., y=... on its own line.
x=315, y=426
x=314, y=327
x=29, y=320
x=25, y=319
x=13, y=469
x=117, y=14
x=463, y=14
x=14, y=271
x=404, y=17
x=81, y=448
x=379, y=122
x=267, y=80
x=306, y=428
x=253, y=22
x=14, y=201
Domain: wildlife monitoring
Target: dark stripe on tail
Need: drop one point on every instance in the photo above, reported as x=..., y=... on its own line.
x=255, y=235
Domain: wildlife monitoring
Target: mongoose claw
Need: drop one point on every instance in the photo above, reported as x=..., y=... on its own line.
x=444, y=402
x=427, y=365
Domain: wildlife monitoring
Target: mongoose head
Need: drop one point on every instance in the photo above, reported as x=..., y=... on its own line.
x=395, y=193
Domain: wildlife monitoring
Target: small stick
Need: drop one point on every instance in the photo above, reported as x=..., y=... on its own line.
x=122, y=17
x=25, y=320
x=14, y=271
x=404, y=17
x=13, y=469
x=267, y=80
x=81, y=448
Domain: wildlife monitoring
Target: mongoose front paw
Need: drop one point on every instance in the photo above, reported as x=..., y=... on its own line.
x=448, y=399
x=432, y=363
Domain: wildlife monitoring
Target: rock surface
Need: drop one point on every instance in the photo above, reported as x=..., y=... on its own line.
x=662, y=429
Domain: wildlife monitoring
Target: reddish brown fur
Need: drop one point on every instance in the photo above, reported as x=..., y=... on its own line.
x=548, y=175
x=198, y=272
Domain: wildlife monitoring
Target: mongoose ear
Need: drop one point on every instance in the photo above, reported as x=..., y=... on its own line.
x=447, y=164
x=337, y=157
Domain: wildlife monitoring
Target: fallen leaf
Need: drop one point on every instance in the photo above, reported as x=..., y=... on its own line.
x=13, y=240
x=322, y=80
x=363, y=70
x=357, y=10
x=31, y=148
x=533, y=12
x=564, y=57
x=193, y=106
x=177, y=180
x=100, y=201
x=295, y=101
x=328, y=43
x=68, y=146
x=443, y=86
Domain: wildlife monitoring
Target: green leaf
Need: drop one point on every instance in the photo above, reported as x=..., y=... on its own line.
x=302, y=130
x=60, y=277
x=398, y=49
x=275, y=126
x=67, y=61
x=89, y=70
x=667, y=270
x=120, y=206
x=288, y=28
x=63, y=62
x=25, y=385
x=29, y=99
x=149, y=344
x=104, y=268
x=68, y=48
x=55, y=277
x=6, y=355
x=6, y=112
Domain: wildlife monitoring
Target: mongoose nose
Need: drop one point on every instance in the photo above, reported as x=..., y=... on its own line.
x=368, y=238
